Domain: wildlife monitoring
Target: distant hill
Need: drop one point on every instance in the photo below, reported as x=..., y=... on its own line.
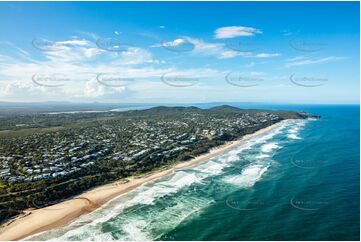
x=224, y=108
x=220, y=110
x=168, y=108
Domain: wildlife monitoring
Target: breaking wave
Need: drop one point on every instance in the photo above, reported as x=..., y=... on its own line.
x=269, y=147
x=248, y=177
x=296, y=127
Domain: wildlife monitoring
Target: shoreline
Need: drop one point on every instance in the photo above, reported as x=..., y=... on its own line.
x=63, y=213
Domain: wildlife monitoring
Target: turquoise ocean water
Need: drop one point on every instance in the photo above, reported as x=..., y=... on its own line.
x=299, y=181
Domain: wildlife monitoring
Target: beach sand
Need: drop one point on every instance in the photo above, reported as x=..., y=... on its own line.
x=63, y=213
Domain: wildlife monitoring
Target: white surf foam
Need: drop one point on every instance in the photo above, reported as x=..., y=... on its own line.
x=134, y=230
x=261, y=156
x=147, y=195
x=293, y=136
x=248, y=177
x=210, y=168
x=269, y=147
x=152, y=223
x=296, y=127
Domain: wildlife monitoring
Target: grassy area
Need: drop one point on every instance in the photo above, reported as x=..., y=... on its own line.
x=26, y=132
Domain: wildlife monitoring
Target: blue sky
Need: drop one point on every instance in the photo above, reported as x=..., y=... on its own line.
x=277, y=52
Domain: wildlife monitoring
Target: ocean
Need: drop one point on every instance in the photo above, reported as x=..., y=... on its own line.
x=299, y=181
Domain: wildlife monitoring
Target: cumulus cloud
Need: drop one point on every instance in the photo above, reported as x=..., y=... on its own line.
x=93, y=90
x=20, y=89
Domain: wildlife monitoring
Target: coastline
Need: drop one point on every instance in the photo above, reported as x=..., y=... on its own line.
x=63, y=213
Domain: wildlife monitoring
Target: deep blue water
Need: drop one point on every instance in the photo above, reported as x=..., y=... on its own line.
x=300, y=181
x=323, y=177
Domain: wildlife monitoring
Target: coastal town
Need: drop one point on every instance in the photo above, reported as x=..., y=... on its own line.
x=57, y=155
x=86, y=152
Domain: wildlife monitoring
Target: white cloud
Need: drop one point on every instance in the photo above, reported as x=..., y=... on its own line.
x=301, y=60
x=134, y=56
x=92, y=89
x=235, y=31
x=73, y=50
x=216, y=49
x=16, y=73
x=206, y=48
x=227, y=54
x=198, y=46
x=219, y=50
x=176, y=42
x=20, y=89
x=266, y=55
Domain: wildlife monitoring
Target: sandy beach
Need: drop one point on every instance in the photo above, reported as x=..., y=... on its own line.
x=65, y=212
